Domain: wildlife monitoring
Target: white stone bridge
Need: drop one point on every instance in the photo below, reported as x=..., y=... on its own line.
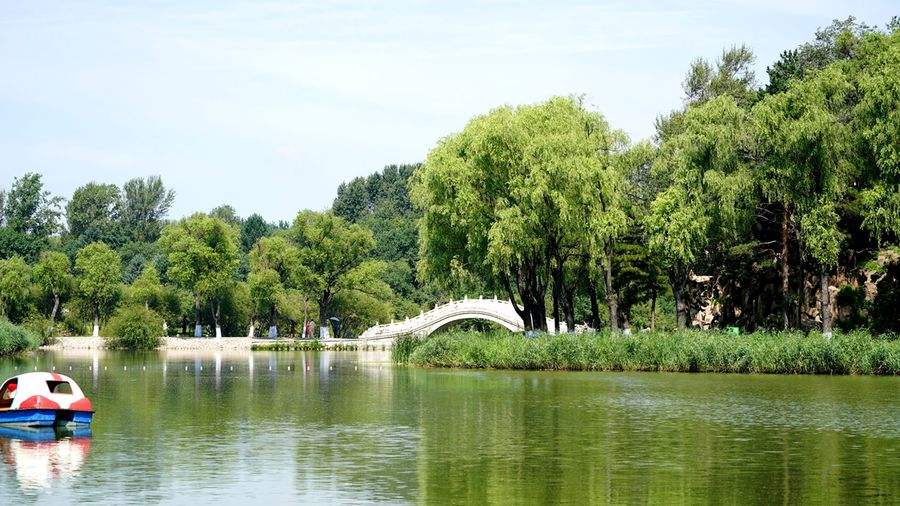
x=500, y=312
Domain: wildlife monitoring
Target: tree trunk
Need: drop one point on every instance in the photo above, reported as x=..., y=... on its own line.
x=55, y=309
x=678, y=284
x=595, y=306
x=217, y=306
x=611, y=299
x=198, y=329
x=273, y=328
x=825, y=303
x=653, y=311
x=531, y=292
x=96, y=332
x=556, y=290
x=323, y=314
x=785, y=266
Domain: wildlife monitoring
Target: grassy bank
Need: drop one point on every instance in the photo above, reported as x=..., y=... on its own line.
x=690, y=351
x=15, y=339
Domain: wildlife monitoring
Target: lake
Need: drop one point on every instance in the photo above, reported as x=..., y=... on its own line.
x=350, y=427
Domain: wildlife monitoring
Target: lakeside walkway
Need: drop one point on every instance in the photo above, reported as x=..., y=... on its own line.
x=198, y=343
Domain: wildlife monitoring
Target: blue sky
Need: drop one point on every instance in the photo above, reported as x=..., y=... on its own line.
x=268, y=106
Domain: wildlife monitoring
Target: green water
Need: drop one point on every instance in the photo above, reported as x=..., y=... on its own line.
x=352, y=428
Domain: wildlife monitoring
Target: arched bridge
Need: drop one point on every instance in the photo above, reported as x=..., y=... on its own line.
x=500, y=312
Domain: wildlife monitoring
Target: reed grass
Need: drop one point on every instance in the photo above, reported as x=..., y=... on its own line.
x=686, y=351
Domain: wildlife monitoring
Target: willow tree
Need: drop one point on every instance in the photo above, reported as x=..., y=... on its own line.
x=805, y=145
x=710, y=190
x=876, y=123
x=203, y=257
x=513, y=198
x=52, y=275
x=15, y=281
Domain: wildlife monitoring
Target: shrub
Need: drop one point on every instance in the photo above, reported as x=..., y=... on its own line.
x=41, y=327
x=135, y=328
x=403, y=347
x=15, y=339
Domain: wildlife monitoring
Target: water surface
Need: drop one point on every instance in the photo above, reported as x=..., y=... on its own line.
x=350, y=427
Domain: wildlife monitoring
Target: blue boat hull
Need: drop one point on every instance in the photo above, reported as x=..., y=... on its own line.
x=44, y=417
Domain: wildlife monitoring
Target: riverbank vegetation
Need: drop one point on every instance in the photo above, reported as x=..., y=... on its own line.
x=686, y=351
x=763, y=207
x=135, y=328
x=15, y=339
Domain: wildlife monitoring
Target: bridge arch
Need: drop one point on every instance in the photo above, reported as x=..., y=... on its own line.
x=497, y=311
x=463, y=317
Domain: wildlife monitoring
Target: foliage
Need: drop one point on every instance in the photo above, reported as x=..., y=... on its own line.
x=98, y=271
x=15, y=282
x=146, y=203
x=202, y=257
x=253, y=229
x=146, y=290
x=334, y=254
x=93, y=214
x=135, y=328
x=29, y=216
x=403, y=348
x=15, y=339
x=518, y=190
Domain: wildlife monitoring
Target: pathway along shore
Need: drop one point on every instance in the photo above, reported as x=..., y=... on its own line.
x=199, y=344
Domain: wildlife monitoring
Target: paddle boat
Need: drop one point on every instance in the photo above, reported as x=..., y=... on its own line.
x=43, y=399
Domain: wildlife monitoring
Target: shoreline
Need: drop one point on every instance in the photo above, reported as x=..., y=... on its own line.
x=213, y=344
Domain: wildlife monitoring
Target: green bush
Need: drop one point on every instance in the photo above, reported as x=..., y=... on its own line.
x=688, y=351
x=135, y=328
x=15, y=339
x=403, y=347
x=41, y=327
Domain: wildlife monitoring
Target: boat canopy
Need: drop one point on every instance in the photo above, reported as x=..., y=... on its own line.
x=43, y=390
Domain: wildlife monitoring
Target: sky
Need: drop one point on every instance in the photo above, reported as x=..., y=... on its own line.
x=269, y=105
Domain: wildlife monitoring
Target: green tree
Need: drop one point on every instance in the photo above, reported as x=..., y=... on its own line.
x=836, y=42
x=265, y=292
x=146, y=203
x=875, y=123
x=52, y=273
x=15, y=281
x=202, y=256
x=147, y=289
x=807, y=164
x=274, y=256
x=226, y=213
x=711, y=191
x=732, y=76
x=98, y=270
x=94, y=214
x=335, y=254
x=253, y=229
x=513, y=196
x=30, y=216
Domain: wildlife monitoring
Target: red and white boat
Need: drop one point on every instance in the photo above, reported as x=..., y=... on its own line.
x=43, y=399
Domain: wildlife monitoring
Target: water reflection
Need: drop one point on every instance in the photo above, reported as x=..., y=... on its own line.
x=350, y=427
x=39, y=457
